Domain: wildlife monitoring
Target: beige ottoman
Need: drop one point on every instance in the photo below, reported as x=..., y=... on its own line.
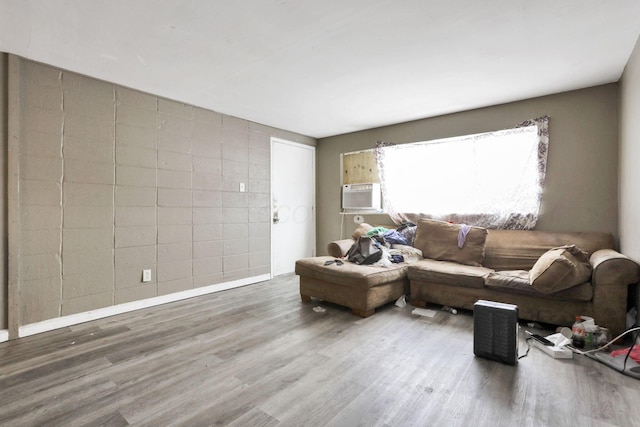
x=362, y=288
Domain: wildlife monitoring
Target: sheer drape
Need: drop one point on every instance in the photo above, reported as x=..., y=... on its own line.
x=494, y=179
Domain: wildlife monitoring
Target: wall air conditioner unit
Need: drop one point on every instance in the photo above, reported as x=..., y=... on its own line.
x=361, y=196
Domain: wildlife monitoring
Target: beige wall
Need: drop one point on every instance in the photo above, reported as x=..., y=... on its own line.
x=114, y=181
x=630, y=159
x=630, y=156
x=581, y=184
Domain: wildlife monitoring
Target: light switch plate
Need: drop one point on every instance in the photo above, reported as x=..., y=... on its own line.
x=146, y=276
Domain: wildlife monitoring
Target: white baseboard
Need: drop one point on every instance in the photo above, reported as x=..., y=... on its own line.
x=4, y=335
x=74, y=319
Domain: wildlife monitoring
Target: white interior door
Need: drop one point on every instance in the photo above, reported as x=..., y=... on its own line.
x=293, y=225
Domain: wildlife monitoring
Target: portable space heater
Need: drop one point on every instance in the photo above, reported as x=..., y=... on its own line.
x=495, y=331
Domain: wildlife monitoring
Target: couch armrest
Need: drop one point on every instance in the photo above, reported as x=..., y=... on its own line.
x=613, y=268
x=339, y=248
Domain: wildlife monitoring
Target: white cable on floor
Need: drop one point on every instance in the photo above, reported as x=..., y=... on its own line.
x=610, y=342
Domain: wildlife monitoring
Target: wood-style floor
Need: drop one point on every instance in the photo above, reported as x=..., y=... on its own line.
x=257, y=356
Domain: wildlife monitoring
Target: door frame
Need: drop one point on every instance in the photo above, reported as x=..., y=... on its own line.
x=276, y=140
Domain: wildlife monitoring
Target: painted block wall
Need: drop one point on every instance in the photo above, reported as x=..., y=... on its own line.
x=114, y=181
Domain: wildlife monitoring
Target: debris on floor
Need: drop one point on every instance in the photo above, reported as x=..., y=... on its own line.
x=424, y=312
x=449, y=309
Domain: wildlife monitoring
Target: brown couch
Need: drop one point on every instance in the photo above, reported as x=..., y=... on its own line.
x=492, y=265
x=509, y=256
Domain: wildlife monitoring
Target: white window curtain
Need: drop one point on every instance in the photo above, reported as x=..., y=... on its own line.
x=493, y=179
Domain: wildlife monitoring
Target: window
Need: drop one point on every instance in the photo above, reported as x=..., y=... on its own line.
x=491, y=179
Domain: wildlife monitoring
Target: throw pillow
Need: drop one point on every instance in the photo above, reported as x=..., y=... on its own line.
x=560, y=268
x=439, y=240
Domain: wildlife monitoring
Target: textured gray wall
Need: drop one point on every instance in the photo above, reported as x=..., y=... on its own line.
x=114, y=181
x=581, y=190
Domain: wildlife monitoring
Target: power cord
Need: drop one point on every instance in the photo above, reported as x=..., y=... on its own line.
x=526, y=353
x=637, y=328
x=624, y=366
x=626, y=358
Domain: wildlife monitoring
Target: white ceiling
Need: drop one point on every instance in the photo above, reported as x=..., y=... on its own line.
x=327, y=67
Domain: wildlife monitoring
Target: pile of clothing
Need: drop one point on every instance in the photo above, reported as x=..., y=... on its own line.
x=382, y=246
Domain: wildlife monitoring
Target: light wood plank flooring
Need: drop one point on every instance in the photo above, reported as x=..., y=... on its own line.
x=257, y=356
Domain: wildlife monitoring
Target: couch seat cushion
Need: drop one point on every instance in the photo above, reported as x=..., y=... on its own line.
x=517, y=282
x=349, y=274
x=439, y=240
x=448, y=273
x=560, y=268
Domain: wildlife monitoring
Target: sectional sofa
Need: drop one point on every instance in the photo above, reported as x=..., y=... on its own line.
x=551, y=276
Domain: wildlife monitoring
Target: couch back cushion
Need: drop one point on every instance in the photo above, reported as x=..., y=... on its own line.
x=439, y=240
x=520, y=249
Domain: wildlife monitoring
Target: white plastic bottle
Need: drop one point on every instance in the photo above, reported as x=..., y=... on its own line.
x=449, y=309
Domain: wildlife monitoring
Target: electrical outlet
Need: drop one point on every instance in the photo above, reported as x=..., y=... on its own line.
x=242, y=187
x=146, y=276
